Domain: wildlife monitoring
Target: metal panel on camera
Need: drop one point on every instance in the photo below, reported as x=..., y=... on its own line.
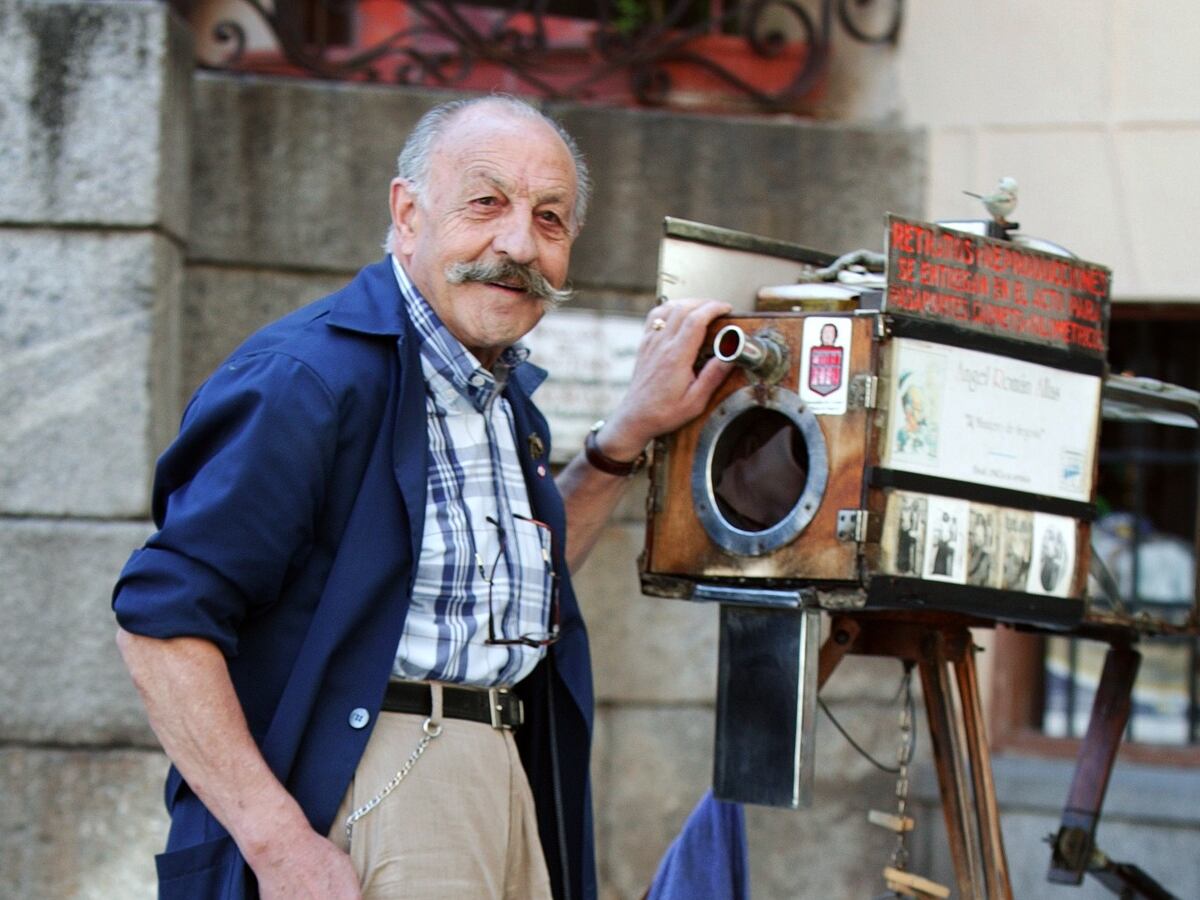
x=698, y=260
x=766, y=706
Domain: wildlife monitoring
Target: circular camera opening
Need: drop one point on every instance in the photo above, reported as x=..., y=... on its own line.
x=759, y=469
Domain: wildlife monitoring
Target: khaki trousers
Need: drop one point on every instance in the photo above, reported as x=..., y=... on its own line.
x=461, y=824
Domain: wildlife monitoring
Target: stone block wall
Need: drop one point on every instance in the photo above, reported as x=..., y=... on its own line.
x=1097, y=117
x=94, y=145
x=90, y=329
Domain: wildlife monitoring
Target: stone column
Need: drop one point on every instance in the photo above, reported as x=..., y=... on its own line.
x=95, y=114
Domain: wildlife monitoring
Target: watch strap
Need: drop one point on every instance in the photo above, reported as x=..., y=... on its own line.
x=606, y=464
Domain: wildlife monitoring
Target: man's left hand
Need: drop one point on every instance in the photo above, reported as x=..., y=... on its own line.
x=665, y=392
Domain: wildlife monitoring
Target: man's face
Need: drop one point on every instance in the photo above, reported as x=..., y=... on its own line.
x=500, y=187
x=978, y=536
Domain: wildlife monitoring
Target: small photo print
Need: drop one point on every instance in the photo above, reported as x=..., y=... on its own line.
x=908, y=545
x=983, y=546
x=915, y=409
x=1053, y=560
x=1016, y=549
x=946, y=540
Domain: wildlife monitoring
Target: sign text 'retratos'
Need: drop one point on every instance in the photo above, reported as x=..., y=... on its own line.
x=996, y=287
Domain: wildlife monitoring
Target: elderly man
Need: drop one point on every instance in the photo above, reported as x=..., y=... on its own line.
x=354, y=630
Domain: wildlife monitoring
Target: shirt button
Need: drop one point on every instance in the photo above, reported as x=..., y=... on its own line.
x=476, y=380
x=359, y=718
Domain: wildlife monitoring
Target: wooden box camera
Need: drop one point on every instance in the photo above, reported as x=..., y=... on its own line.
x=873, y=459
x=734, y=491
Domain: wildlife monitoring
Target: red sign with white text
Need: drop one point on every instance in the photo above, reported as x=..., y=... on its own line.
x=996, y=287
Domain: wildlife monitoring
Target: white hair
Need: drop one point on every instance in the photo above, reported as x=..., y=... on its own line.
x=413, y=163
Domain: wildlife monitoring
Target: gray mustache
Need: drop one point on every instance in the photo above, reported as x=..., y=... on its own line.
x=506, y=271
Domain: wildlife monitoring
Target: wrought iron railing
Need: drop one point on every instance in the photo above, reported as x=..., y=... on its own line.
x=567, y=50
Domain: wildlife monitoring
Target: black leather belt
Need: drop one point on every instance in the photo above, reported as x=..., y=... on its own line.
x=498, y=707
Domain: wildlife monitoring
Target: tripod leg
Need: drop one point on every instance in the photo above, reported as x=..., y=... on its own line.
x=995, y=863
x=957, y=805
x=1110, y=713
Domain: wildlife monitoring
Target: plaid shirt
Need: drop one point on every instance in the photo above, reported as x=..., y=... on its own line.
x=478, y=533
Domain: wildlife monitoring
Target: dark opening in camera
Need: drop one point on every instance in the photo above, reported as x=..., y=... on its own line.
x=759, y=469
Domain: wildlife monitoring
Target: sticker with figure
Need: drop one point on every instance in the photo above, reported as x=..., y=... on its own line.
x=825, y=364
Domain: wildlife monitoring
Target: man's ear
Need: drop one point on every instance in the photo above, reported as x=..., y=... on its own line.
x=403, y=205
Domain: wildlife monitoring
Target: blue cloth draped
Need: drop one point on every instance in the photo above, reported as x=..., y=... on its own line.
x=708, y=860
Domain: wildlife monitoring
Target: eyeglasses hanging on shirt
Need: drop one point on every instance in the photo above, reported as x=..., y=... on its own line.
x=546, y=546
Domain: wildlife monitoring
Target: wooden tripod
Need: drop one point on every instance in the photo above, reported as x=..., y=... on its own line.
x=960, y=751
x=963, y=763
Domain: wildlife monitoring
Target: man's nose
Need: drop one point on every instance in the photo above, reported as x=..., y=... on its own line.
x=515, y=237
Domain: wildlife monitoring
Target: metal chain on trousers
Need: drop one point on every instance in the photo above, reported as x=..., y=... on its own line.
x=431, y=731
x=903, y=758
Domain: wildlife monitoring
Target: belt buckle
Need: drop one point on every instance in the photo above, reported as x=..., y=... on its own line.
x=496, y=707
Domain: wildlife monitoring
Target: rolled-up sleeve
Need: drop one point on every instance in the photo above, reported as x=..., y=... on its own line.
x=236, y=500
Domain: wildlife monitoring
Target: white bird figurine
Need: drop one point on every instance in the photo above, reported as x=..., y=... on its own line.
x=1002, y=201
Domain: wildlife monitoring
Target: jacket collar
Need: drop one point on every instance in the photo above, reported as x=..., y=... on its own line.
x=371, y=303
x=527, y=377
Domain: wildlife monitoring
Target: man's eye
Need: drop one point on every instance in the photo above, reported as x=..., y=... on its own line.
x=485, y=201
x=551, y=218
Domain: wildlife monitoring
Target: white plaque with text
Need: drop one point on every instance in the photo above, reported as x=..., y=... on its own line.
x=987, y=419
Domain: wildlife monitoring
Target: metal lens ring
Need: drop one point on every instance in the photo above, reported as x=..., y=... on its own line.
x=722, y=423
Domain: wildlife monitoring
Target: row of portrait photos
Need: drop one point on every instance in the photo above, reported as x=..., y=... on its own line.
x=953, y=540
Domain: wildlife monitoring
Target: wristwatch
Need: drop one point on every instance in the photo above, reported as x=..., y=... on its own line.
x=598, y=460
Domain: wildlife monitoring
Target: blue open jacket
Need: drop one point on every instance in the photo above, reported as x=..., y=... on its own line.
x=290, y=512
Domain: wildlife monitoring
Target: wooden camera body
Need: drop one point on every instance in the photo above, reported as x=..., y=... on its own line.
x=700, y=530
x=889, y=448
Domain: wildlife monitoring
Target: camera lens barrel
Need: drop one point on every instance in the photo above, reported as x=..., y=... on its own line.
x=761, y=354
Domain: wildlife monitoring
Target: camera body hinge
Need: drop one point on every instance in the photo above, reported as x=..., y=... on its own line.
x=864, y=392
x=852, y=525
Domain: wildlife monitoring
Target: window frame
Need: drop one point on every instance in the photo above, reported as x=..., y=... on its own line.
x=1016, y=703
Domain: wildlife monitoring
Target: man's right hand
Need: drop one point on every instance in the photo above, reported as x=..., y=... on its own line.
x=309, y=867
x=196, y=715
